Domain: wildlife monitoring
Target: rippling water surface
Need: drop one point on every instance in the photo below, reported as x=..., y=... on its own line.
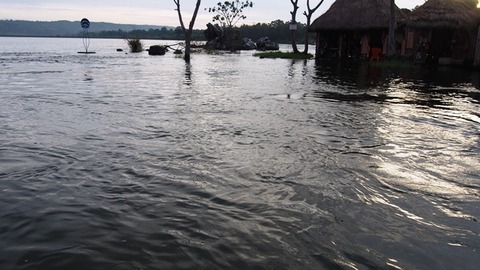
x=128, y=161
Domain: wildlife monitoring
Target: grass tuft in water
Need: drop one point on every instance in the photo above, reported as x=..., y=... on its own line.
x=392, y=63
x=135, y=45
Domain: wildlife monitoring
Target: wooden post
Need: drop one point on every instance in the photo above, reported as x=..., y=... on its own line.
x=340, y=46
x=476, y=60
x=391, y=31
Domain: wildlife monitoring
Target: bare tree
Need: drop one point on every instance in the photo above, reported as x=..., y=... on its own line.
x=187, y=32
x=309, y=13
x=293, y=24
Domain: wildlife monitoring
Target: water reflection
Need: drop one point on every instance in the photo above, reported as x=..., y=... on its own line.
x=424, y=136
x=418, y=85
x=362, y=75
x=188, y=74
x=413, y=132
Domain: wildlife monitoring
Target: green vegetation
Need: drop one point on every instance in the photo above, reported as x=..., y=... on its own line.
x=278, y=31
x=392, y=63
x=135, y=45
x=284, y=55
x=230, y=12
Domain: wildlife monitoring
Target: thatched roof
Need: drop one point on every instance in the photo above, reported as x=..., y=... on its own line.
x=441, y=14
x=356, y=15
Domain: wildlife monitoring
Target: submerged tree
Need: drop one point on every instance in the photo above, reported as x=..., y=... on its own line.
x=309, y=13
x=293, y=25
x=187, y=32
x=230, y=12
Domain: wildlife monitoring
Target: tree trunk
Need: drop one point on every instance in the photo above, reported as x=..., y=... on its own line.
x=188, y=39
x=294, y=21
x=187, y=32
x=305, y=50
x=294, y=42
x=309, y=14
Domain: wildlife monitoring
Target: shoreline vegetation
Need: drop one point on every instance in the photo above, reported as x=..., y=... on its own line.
x=277, y=31
x=283, y=55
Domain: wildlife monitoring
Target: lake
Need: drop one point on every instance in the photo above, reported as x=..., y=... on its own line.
x=125, y=161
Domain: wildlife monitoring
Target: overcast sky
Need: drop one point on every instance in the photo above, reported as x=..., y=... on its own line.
x=154, y=12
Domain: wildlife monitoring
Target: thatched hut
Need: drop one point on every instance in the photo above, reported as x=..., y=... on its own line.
x=443, y=30
x=350, y=28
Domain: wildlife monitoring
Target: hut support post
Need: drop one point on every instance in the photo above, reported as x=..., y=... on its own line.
x=476, y=61
x=340, y=46
x=317, y=47
x=391, y=30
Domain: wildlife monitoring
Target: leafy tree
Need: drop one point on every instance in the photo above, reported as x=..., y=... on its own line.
x=230, y=12
x=178, y=31
x=187, y=32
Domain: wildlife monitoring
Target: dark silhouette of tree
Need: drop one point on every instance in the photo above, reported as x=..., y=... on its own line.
x=277, y=31
x=187, y=32
x=309, y=13
x=230, y=12
x=294, y=25
x=178, y=31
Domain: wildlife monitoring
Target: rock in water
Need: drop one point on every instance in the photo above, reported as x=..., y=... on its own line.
x=156, y=50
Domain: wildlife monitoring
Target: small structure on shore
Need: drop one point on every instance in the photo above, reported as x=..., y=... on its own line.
x=354, y=28
x=443, y=32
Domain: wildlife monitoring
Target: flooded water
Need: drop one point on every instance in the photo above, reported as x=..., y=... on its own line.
x=128, y=161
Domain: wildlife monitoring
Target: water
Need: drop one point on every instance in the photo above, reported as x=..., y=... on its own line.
x=128, y=161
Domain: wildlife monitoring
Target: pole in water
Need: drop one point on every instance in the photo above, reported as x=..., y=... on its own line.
x=85, y=23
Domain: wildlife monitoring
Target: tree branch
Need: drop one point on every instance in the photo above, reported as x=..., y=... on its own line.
x=177, y=3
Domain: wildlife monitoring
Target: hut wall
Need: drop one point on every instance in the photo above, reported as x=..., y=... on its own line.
x=418, y=44
x=365, y=46
x=452, y=25
x=454, y=46
x=408, y=42
x=356, y=44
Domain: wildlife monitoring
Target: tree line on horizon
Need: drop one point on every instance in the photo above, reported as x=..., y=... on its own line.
x=277, y=31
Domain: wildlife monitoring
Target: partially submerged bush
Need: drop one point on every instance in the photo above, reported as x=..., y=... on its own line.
x=135, y=45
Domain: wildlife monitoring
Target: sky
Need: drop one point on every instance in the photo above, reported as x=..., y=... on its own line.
x=153, y=12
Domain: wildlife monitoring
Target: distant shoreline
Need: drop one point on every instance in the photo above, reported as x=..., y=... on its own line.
x=77, y=37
